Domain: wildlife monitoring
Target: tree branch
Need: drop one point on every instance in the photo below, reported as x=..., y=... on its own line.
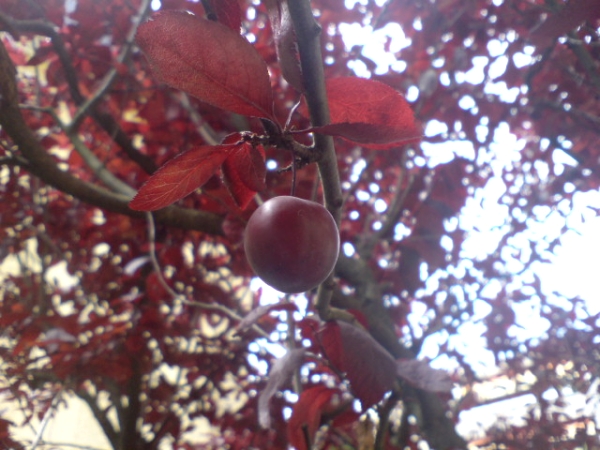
x=180, y=298
x=105, y=120
x=370, y=294
x=394, y=213
x=581, y=118
x=202, y=127
x=129, y=436
x=111, y=76
x=589, y=64
x=47, y=416
x=91, y=160
x=111, y=434
x=308, y=34
x=43, y=166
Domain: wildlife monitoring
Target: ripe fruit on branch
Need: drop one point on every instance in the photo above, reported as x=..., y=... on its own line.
x=292, y=244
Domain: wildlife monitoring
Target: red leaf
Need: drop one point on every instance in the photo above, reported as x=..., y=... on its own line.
x=370, y=369
x=369, y=113
x=421, y=375
x=331, y=340
x=245, y=173
x=6, y=440
x=285, y=43
x=207, y=60
x=307, y=414
x=281, y=372
x=27, y=340
x=180, y=176
x=228, y=12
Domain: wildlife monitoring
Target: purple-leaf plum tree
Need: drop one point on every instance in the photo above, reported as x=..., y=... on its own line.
x=137, y=140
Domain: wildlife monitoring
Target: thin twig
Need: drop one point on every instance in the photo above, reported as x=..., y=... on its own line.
x=43, y=165
x=394, y=213
x=91, y=160
x=204, y=129
x=210, y=14
x=180, y=298
x=14, y=160
x=105, y=120
x=111, y=76
x=67, y=444
x=589, y=64
x=45, y=420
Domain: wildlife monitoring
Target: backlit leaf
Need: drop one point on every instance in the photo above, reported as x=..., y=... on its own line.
x=207, y=60
x=180, y=176
x=244, y=172
x=369, y=367
x=369, y=113
x=307, y=413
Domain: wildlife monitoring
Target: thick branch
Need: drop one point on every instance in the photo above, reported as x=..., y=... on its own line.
x=308, y=34
x=43, y=166
x=101, y=417
x=130, y=437
x=589, y=64
x=105, y=120
x=309, y=46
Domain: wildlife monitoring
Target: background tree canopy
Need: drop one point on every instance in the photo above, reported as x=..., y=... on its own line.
x=152, y=320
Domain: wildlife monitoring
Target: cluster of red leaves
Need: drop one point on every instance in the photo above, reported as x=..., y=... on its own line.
x=119, y=319
x=362, y=111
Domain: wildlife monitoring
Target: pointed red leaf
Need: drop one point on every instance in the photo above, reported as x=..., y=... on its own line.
x=370, y=369
x=307, y=413
x=209, y=61
x=244, y=172
x=180, y=176
x=285, y=43
x=420, y=374
x=369, y=113
x=228, y=12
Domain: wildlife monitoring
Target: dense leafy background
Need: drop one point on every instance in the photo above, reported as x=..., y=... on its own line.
x=474, y=72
